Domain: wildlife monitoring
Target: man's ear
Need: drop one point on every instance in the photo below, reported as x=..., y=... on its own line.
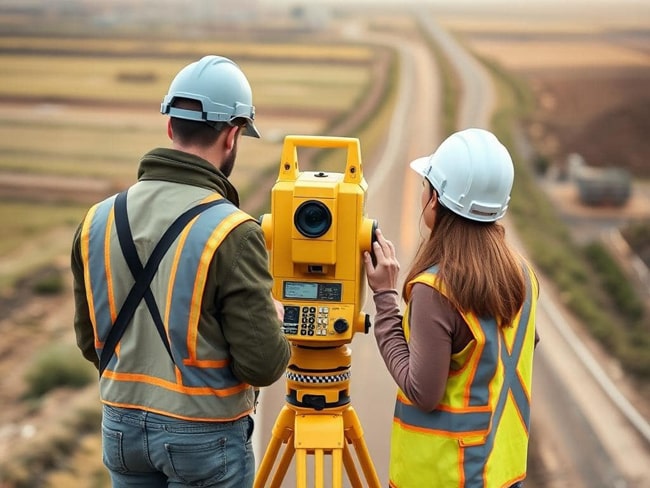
x=170, y=133
x=231, y=136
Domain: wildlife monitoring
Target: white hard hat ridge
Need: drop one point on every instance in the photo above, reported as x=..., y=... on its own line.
x=472, y=173
x=220, y=86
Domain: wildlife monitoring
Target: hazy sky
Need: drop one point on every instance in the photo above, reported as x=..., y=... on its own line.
x=514, y=3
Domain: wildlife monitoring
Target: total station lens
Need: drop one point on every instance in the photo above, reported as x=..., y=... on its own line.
x=312, y=219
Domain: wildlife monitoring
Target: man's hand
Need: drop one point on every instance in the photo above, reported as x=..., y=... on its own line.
x=279, y=309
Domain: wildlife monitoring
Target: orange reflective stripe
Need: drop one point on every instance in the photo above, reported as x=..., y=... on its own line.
x=85, y=251
x=178, y=374
x=467, y=409
x=211, y=198
x=169, y=414
x=207, y=363
x=439, y=432
x=107, y=266
x=178, y=388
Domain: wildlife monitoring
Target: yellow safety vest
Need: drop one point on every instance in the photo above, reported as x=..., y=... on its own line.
x=199, y=383
x=478, y=435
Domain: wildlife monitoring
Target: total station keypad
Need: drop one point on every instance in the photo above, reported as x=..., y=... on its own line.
x=314, y=321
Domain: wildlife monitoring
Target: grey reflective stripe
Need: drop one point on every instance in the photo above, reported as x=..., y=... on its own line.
x=479, y=393
x=455, y=422
x=97, y=268
x=475, y=456
x=181, y=302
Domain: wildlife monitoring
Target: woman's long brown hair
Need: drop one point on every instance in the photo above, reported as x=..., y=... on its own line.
x=480, y=272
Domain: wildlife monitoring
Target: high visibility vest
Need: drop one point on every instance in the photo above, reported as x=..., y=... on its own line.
x=478, y=435
x=198, y=384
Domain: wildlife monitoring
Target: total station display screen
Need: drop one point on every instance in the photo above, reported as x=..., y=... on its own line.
x=299, y=290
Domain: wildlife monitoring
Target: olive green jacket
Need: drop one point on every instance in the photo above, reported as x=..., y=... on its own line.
x=237, y=308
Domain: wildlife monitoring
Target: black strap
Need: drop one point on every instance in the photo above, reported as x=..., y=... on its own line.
x=143, y=275
x=132, y=259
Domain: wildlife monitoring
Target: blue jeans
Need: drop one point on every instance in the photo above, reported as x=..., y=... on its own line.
x=146, y=450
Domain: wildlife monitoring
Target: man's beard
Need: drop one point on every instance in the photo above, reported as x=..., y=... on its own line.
x=229, y=163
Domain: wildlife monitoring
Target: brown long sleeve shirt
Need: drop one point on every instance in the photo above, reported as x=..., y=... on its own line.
x=420, y=367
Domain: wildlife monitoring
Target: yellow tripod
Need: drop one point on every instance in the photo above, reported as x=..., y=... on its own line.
x=318, y=420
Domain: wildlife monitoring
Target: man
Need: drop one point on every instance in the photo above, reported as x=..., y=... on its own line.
x=173, y=298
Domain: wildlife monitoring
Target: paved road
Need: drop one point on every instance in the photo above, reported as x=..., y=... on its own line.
x=580, y=434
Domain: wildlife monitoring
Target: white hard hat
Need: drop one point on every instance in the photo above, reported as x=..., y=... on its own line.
x=472, y=172
x=221, y=87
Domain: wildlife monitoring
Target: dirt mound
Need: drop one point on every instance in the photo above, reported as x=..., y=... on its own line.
x=599, y=114
x=618, y=138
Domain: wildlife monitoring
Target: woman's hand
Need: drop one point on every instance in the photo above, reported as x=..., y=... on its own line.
x=383, y=274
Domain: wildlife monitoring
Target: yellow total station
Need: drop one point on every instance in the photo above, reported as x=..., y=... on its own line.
x=316, y=234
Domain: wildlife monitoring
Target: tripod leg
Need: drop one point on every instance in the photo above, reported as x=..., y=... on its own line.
x=283, y=465
x=351, y=469
x=337, y=471
x=319, y=468
x=354, y=434
x=319, y=434
x=282, y=432
x=301, y=468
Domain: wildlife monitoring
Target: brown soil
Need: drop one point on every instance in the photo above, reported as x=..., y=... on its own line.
x=600, y=114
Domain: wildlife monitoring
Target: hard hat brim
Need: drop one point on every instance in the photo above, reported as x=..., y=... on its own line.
x=251, y=130
x=420, y=165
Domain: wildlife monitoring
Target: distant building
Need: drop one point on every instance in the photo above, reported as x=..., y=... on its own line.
x=599, y=186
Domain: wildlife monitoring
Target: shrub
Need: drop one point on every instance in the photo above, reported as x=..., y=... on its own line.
x=51, y=283
x=637, y=235
x=541, y=164
x=615, y=281
x=57, y=366
x=635, y=358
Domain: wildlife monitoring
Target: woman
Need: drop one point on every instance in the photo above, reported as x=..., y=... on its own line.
x=462, y=352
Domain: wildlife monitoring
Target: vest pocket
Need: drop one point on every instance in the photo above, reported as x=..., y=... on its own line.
x=469, y=441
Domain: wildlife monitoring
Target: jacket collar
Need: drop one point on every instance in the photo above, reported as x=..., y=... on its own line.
x=168, y=164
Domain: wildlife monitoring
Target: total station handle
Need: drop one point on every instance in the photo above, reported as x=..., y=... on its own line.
x=289, y=170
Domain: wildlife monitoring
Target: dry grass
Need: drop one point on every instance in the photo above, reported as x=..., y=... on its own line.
x=107, y=141
x=531, y=54
x=115, y=81
x=196, y=47
x=74, y=118
x=527, y=18
x=525, y=37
